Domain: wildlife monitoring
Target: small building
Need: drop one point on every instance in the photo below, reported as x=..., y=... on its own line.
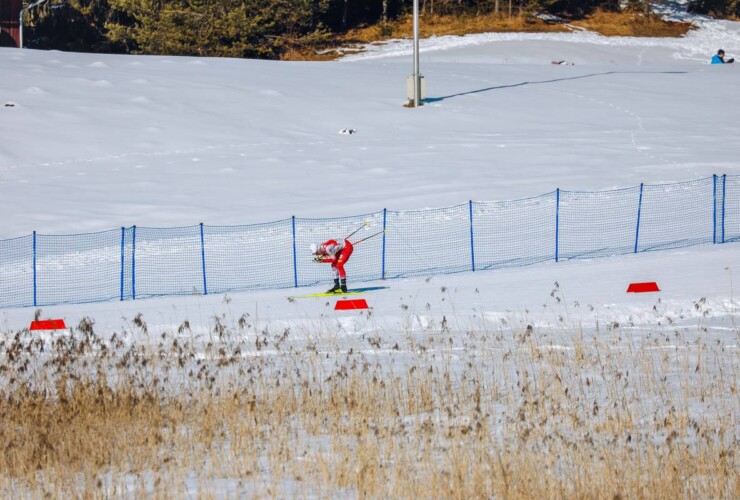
x=10, y=34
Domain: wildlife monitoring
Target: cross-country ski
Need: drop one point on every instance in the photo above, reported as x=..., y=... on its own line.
x=351, y=291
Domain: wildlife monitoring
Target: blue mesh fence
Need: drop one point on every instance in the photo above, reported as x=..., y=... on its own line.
x=78, y=268
x=598, y=224
x=259, y=255
x=428, y=242
x=168, y=261
x=677, y=215
x=128, y=262
x=136, y=262
x=16, y=272
x=729, y=227
x=514, y=233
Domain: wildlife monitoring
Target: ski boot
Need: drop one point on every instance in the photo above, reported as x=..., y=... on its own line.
x=336, y=288
x=344, y=286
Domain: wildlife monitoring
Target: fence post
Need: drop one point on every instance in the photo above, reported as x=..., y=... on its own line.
x=203, y=259
x=714, y=206
x=472, y=246
x=724, y=194
x=382, y=257
x=295, y=257
x=123, y=257
x=557, y=222
x=34, y=270
x=133, y=263
x=639, y=211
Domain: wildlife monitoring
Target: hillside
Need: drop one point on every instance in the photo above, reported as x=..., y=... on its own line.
x=534, y=381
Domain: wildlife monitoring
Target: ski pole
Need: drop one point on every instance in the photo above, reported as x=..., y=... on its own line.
x=372, y=235
x=355, y=231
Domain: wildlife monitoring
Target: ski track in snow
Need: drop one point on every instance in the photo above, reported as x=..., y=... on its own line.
x=639, y=126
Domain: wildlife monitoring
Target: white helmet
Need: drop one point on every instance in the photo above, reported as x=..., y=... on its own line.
x=314, y=248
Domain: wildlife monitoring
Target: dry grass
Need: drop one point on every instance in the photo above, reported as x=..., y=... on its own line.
x=430, y=25
x=488, y=412
x=605, y=23
x=632, y=24
x=435, y=25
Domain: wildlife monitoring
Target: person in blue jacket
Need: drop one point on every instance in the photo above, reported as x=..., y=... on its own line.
x=719, y=58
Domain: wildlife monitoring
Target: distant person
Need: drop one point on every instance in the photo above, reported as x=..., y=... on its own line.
x=719, y=58
x=337, y=253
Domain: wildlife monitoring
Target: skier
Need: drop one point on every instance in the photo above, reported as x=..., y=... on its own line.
x=337, y=253
x=719, y=58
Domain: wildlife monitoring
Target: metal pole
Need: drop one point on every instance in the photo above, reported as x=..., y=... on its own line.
x=417, y=80
x=639, y=212
x=714, y=211
x=295, y=256
x=382, y=261
x=35, y=303
x=123, y=257
x=724, y=196
x=20, y=20
x=355, y=231
x=472, y=244
x=133, y=263
x=371, y=236
x=557, y=224
x=203, y=259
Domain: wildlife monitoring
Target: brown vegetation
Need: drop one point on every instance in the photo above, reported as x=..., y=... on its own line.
x=436, y=25
x=490, y=412
x=606, y=23
x=632, y=24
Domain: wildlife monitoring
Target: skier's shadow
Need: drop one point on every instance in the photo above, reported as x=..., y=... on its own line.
x=555, y=80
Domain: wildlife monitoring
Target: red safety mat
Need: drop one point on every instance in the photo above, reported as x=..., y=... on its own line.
x=48, y=324
x=344, y=305
x=649, y=286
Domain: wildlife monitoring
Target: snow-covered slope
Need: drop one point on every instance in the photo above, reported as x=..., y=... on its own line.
x=94, y=142
x=164, y=141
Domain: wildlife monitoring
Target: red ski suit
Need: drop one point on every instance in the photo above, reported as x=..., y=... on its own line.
x=336, y=252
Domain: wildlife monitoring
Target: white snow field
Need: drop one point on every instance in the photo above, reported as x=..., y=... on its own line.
x=96, y=142
x=92, y=142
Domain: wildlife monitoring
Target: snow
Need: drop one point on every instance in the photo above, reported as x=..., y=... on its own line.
x=94, y=142
x=166, y=141
x=520, y=296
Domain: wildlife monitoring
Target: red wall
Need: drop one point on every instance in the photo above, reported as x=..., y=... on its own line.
x=9, y=29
